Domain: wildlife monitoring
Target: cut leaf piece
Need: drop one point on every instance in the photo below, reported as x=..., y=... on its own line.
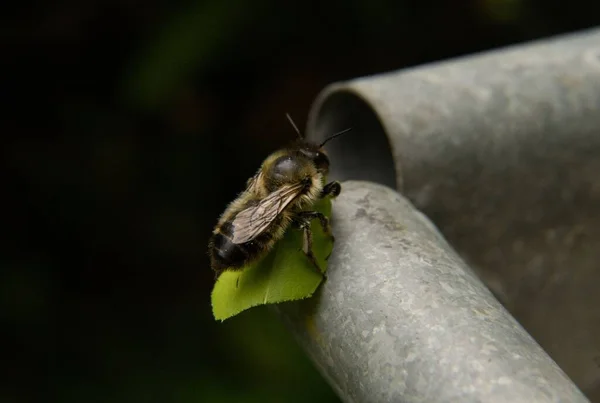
x=285, y=274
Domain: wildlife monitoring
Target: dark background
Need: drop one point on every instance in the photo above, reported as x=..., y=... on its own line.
x=128, y=126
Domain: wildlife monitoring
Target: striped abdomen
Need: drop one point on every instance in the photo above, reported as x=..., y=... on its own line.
x=226, y=255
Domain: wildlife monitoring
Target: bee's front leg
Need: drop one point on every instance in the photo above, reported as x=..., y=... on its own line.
x=307, y=248
x=332, y=189
x=308, y=216
x=303, y=223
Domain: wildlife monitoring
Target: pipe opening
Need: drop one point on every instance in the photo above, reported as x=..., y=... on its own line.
x=363, y=153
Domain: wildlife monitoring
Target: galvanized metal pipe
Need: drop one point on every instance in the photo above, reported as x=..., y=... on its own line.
x=401, y=318
x=502, y=152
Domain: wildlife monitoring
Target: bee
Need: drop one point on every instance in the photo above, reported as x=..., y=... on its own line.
x=278, y=196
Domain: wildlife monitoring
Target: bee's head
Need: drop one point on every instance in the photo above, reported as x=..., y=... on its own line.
x=314, y=152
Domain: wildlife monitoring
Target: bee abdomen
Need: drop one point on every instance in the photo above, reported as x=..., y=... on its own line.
x=225, y=254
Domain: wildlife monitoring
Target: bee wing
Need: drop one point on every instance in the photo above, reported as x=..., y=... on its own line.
x=251, y=183
x=251, y=222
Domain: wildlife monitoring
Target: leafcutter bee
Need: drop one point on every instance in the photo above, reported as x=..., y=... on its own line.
x=278, y=196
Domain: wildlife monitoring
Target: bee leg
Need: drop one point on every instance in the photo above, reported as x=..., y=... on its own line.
x=324, y=221
x=300, y=223
x=332, y=189
x=307, y=247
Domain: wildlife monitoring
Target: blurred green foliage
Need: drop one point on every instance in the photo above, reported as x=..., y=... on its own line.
x=190, y=41
x=130, y=125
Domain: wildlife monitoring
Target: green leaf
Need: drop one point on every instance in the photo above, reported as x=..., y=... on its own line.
x=285, y=274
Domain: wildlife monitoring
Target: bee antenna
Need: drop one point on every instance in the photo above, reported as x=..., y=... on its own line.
x=294, y=125
x=334, y=136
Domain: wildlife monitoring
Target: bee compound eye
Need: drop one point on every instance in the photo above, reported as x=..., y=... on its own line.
x=285, y=167
x=321, y=161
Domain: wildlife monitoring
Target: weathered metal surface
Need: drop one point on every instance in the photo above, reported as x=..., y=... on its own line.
x=502, y=152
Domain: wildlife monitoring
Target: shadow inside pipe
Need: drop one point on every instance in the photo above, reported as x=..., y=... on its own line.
x=362, y=154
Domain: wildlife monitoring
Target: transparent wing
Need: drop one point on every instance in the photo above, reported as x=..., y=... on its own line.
x=251, y=222
x=251, y=183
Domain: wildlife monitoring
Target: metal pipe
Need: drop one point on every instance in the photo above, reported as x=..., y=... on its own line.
x=401, y=318
x=502, y=152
